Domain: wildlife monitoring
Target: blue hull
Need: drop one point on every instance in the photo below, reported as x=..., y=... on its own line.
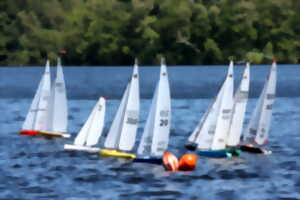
x=215, y=154
x=150, y=160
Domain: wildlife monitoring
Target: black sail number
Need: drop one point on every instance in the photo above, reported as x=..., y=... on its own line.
x=164, y=122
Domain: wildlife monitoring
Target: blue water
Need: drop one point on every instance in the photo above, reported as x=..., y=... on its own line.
x=38, y=168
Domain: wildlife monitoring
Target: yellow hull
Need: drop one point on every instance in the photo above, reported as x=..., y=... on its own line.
x=115, y=153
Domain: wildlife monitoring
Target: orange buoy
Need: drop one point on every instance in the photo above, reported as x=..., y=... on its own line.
x=188, y=162
x=170, y=162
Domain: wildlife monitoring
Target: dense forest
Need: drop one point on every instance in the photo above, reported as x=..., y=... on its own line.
x=114, y=32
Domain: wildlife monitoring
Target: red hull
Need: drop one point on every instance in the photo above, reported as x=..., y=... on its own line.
x=28, y=132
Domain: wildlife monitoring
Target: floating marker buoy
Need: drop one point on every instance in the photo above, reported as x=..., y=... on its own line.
x=170, y=162
x=188, y=162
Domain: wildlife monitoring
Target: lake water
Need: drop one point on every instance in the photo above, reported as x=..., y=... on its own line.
x=39, y=168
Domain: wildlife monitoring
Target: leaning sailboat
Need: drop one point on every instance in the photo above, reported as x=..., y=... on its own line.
x=47, y=115
x=155, y=138
x=209, y=137
x=256, y=135
x=122, y=134
x=91, y=130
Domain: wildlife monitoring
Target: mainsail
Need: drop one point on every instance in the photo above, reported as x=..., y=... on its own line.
x=239, y=109
x=205, y=132
x=260, y=122
x=93, y=127
x=37, y=116
x=223, y=121
x=155, y=138
x=58, y=108
x=122, y=133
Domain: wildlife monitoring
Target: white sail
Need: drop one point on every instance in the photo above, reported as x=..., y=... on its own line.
x=239, y=109
x=146, y=141
x=113, y=135
x=223, y=122
x=208, y=127
x=58, y=108
x=96, y=127
x=31, y=115
x=122, y=133
x=131, y=114
x=155, y=138
x=260, y=122
x=36, y=118
x=266, y=112
x=251, y=130
x=93, y=127
x=162, y=115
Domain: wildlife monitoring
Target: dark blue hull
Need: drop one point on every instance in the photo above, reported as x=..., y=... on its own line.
x=150, y=160
x=215, y=154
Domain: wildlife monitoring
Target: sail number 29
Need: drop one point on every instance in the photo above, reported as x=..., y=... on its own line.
x=164, y=122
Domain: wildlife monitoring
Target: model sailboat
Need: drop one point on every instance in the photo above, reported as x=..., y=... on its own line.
x=155, y=138
x=239, y=110
x=122, y=134
x=91, y=130
x=47, y=115
x=256, y=134
x=210, y=136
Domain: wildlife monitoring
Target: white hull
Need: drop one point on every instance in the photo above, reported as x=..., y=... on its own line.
x=81, y=148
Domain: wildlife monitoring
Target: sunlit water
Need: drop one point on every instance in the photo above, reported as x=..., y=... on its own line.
x=39, y=168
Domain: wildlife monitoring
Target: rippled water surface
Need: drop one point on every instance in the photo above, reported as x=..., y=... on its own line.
x=38, y=168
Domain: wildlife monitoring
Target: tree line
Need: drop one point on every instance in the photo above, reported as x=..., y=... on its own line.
x=114, y=32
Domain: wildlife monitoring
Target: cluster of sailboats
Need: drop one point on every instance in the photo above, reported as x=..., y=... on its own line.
x=218, y=134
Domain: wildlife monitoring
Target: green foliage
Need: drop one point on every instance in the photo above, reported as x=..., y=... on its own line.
x=114, y=32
